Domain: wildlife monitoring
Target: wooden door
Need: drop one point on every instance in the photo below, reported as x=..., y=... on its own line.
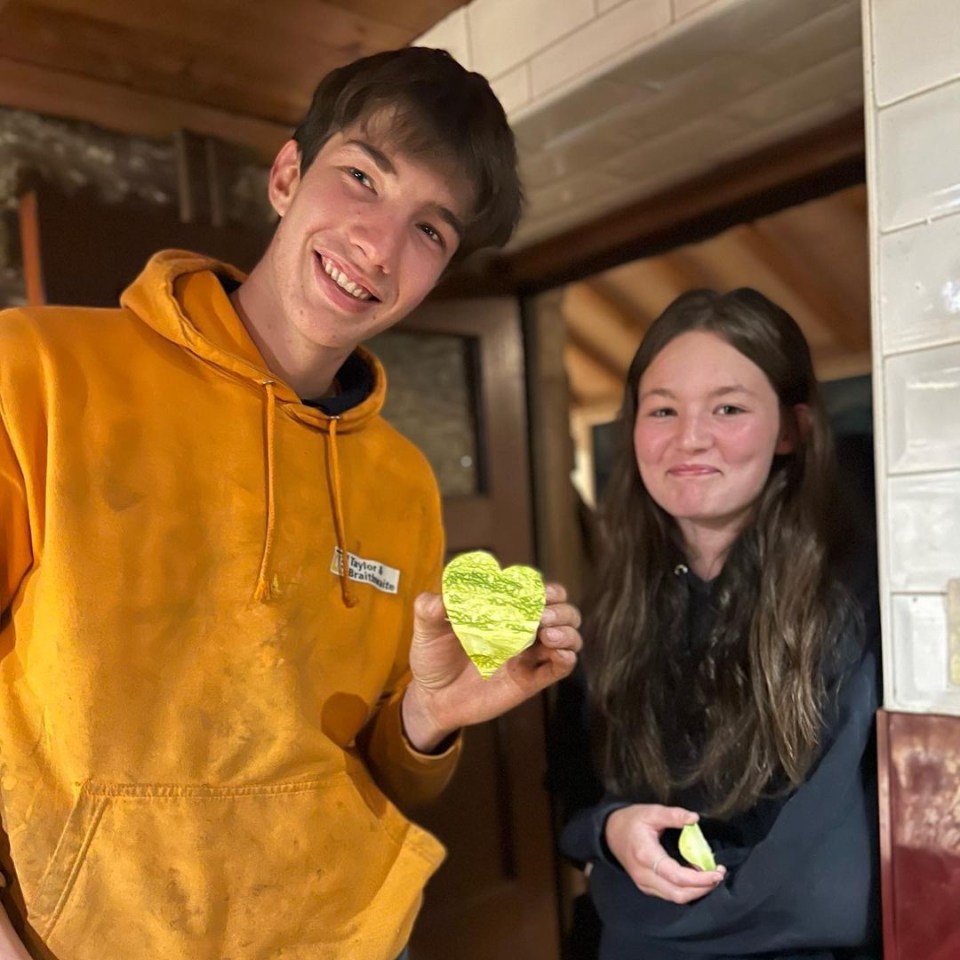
x=496, y=895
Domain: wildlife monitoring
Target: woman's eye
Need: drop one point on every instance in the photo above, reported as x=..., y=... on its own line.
x=660, y=413
x=729, y=409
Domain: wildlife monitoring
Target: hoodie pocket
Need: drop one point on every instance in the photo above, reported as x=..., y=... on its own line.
x=304, y=869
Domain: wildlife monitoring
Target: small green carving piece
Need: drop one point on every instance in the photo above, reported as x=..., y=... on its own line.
x=494, y=613
x=695, y=849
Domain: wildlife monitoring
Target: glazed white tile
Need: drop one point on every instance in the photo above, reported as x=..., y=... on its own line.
x=513, y=88
x=570, y=193
x=919, y=285
x=682, y=146
x=597, y=42
x=815, y=40
x=916, y=44
x=505, y=32
x=922, y=405
x=739, y=32
x=715, y=86
x=545, y=220
x=918, y=158
x=921, y=655
x=789, y=126
x=683, y=8
x=571, y=155
x=923, y=531
x=449, y=34
x=594, y=106
x=825, y=82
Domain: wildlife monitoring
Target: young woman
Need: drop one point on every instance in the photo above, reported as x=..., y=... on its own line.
x=734, y=675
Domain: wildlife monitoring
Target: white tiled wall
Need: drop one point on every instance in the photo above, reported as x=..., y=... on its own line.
x=912, y=56
x=918, y=140
x=613, y=88
x=916, y=44
x=919, y=284
x=530, y=49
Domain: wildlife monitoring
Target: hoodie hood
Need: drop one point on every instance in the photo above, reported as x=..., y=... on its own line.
x=179, y=295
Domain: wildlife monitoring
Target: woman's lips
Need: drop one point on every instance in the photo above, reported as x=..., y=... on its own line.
x=692, y=470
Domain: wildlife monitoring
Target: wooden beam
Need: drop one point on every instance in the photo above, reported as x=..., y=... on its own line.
x=840, y=364
x=812, y=287
x=599, y=327
x=55, y=93
x=30, y=249
x=802, y=168
x=590, y=377
x=652, y=284
x=617, y=304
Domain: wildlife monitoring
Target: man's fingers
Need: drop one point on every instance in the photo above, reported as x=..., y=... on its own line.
x=556, y=593
x=560, y=614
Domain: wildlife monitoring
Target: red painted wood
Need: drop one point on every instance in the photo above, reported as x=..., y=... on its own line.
x=920, y=835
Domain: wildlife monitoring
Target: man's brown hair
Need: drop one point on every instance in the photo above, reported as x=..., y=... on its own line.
x=435, y=110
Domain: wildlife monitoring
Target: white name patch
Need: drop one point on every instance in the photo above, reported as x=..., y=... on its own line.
x=377, y=574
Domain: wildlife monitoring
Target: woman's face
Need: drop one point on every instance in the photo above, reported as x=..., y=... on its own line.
x=708, y=426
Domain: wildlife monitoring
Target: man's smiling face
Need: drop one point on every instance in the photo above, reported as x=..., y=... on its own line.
x=364, y=235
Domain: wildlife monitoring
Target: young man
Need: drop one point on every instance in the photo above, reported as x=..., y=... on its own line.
x=223, y=667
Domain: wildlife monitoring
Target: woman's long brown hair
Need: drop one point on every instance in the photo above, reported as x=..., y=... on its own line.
x=751, y=703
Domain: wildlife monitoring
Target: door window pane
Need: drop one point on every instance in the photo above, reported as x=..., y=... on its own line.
x=431, y=399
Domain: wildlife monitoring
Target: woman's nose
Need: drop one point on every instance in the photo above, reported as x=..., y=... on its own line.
x=694, y=433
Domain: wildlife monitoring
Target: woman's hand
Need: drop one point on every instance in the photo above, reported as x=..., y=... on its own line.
x=633, y=836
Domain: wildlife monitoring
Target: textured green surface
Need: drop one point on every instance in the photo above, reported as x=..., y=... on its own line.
x=494, y=613
x=695, y=849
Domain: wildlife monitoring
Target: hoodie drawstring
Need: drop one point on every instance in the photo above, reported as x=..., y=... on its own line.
x=264, y=590
x=333, y=481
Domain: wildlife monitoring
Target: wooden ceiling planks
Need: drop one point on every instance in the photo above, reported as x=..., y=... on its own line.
x=233, y=69
x=114, y=107
x=599, y=327
x=812, y=259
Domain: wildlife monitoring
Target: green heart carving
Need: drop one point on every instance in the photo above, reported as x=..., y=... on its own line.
x=494, y=613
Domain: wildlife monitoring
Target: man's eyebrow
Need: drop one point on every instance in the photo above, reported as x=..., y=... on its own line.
x=383, y=162
x=455, y=223
x=386, y=165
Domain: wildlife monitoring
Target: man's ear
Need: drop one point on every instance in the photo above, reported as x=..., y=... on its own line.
x=284, y=177
x=794, y=427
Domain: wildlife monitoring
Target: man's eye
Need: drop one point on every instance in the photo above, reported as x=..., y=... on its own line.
x=360, y=176
x=434, y=235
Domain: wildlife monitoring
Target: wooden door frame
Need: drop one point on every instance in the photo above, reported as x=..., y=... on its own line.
x=498, y=516
x=503, y=425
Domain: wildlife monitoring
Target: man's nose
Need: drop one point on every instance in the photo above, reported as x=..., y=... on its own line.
x=378, y=239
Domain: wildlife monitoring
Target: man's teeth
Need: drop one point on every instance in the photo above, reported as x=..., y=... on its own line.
x=344, y=282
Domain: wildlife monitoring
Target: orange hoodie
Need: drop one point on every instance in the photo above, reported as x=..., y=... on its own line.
x=199, y=715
